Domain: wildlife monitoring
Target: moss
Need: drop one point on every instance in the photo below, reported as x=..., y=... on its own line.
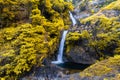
x=101, y=34
x=114, y=5
x=24, y=47
x=103, y=67
x=73, y=36
x=74, y=39
x=104, y=32
x=30, y=32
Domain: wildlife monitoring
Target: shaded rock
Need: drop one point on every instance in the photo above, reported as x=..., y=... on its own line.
x=79, y=54
x=82, y=15
x=111, y=13
x=85, y=8
x=46, y=73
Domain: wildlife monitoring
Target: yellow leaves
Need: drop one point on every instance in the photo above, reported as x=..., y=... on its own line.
x=39, y=29
x=48, y=4
x=37, y=19
x=76, y=36
x=102, y=35
x=21, y=66
x=42, y=58
x=117, y=51
x=36, y=11
x=102, y=67
x=5, y=10
x=8, y=67
x=12, y=2
x=32, y=59
x=61, y=0
x=10, y=53
x=23, y=1
x=9, y=33
x=73, y=36
x=85, y=34
x=34, y=0
x=23, y=43
x=1, y=1
x=59, y=7
x=3, y=79
x=114, y=5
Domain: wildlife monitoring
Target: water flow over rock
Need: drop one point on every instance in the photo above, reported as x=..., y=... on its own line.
x=61, y=48
x=74, y=22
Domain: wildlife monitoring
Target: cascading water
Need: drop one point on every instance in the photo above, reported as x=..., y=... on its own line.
x=68, y=65
x=73, y=19
x=61, y=48
x=60, y=53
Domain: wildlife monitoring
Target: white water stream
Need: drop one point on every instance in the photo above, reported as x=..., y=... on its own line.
x=61, y=48
x=74, y=22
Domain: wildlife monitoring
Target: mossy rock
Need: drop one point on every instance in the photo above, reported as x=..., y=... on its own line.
x=30, y=32
x=104, y=67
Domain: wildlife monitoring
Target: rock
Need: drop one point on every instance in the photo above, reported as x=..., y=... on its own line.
x=106, y=69
x=85, y=8
x=46, y=73
x=79, y=54
x=111, y=13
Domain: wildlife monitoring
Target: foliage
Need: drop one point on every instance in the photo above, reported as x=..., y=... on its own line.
x=102, y=34
x=30, y=32
x=74, y=38
x=103, y=67
x=13, y=10
x=114, y=5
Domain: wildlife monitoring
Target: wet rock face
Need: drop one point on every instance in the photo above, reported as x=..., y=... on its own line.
x=81, y=54
x=49, y=71
x=46, y=73
x=111, y=13
x=85, y=8
x=96, y=2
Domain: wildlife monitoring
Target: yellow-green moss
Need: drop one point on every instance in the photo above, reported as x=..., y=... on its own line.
x=103, y=35
x=106, y=32
x=114, y=5
x=30, y=32
x=103, y=67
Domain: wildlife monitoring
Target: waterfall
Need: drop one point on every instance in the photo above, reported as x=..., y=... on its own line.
x=73, y=19
x=61, y=48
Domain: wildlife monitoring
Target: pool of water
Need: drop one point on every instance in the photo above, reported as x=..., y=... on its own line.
x=73, y=67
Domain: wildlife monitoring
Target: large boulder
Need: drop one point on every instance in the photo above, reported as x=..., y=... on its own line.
x=91, y=40
x=81, y=54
